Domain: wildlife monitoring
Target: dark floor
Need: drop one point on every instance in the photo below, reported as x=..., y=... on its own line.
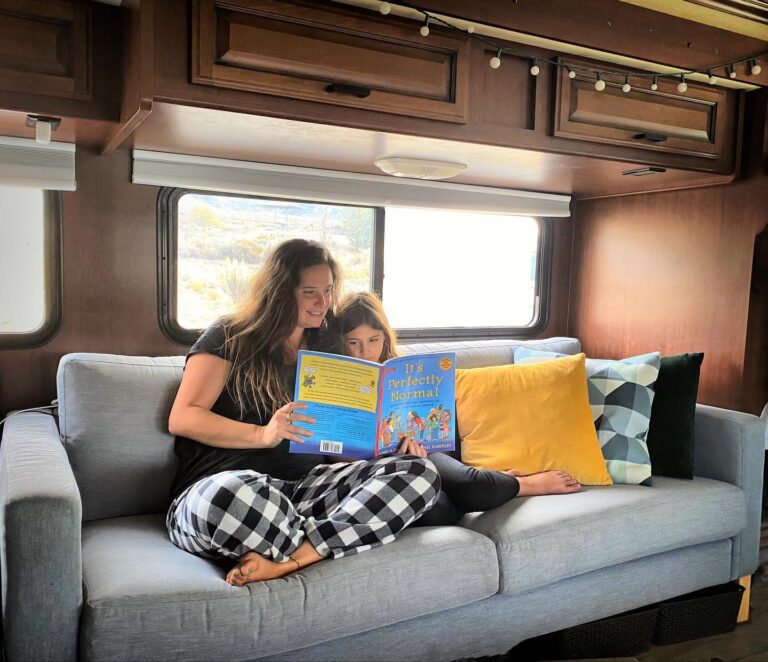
x=747, y=643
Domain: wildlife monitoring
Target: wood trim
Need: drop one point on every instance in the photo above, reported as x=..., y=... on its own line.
x=743, y=616
x=124, y=130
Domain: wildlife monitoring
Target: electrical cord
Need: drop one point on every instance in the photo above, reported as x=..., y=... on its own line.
x=44, y=409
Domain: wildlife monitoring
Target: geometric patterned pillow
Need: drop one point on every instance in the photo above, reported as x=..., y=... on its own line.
x=621, y=397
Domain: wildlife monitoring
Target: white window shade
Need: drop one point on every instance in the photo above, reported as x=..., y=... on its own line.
x=26, y=163
x=249, y=178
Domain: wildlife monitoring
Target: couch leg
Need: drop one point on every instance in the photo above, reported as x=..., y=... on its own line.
x=743, y=616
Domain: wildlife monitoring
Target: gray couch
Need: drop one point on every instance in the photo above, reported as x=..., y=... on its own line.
x=88, y=571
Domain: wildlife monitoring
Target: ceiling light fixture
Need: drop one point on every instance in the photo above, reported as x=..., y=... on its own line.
x=419, y=168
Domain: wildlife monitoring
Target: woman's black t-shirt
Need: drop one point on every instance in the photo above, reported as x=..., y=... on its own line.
x=197, y=460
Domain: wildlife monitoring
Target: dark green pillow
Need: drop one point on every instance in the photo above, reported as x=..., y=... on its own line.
x=670, y=435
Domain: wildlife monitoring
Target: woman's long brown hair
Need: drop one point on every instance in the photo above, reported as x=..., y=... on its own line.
x=365, y=308
x=256, y=332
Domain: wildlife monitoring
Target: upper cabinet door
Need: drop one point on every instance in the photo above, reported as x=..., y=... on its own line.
x=50, y=51
x=699, y=123
x=322, y=53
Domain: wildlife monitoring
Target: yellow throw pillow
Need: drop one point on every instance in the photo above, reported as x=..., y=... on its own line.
x=531, y=418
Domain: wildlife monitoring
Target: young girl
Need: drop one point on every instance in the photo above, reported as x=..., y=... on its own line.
x=238, y=493
x=367, y=334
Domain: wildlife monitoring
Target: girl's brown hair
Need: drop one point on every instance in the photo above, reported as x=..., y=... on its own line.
x=365, y=308
x=256, y=332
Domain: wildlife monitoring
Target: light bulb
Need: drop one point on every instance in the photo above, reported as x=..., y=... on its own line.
x=385, y=8
x=535, y=70
x=599, y=84
x=424, y=30
x=495, y=62
x=682, y=86
x=626, y=87
x=731, y=72
x=470, y=27
x=712, y=79
x=571, y=73
x=755, y=69
x=654, y=83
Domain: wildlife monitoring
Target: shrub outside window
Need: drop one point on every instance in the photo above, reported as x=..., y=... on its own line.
x=30, y=283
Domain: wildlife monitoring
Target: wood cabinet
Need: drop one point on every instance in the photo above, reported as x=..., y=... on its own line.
x=321, y=53
x=699, y=123
x=50, y=50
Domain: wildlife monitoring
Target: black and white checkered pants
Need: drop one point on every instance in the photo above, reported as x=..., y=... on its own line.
x=342, y=509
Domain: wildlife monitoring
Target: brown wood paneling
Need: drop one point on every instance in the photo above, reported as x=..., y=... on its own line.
x=110, y=280
x=298, y=49
x=673, y=272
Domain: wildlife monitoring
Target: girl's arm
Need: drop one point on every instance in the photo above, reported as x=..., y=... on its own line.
x=204, y=379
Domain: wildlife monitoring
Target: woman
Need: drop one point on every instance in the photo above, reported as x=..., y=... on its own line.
x=238, y=494
x=367, y=334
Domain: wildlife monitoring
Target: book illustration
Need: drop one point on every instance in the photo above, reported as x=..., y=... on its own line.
x=366, y=409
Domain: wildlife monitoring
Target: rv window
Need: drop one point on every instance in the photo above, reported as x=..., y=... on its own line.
x=30, y=261
x=460, y=271
x=217, y=242
x=441, y=273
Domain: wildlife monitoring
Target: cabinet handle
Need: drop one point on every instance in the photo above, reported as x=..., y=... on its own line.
x=356, y=90
x=651, y=137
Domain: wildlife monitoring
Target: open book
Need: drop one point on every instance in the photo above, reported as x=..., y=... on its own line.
x=366, y=409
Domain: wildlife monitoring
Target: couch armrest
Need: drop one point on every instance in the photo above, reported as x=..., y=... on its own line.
x=730, y=447
x=40, y=553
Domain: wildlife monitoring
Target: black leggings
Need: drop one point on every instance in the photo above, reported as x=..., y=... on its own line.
x=466, y=490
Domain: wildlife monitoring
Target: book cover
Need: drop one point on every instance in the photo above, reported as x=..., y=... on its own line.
x=366, y=409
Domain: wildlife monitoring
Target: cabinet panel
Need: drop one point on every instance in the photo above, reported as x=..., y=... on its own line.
x=49, y=54
x=699, y=123
x=301, y=50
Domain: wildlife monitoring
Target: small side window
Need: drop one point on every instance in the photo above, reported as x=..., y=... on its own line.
x=30, y=266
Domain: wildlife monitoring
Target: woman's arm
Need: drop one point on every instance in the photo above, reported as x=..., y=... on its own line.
x=205, y=377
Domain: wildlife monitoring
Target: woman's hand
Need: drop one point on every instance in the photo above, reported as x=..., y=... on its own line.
x=411, y=447
x=285, y=424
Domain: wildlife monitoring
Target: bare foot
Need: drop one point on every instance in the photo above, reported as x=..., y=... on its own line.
x=255, y=568
x=547, y=482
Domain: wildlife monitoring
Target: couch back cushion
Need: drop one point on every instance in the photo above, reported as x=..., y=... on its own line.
x=484, y=353
x=114, y=419
x=113, y=415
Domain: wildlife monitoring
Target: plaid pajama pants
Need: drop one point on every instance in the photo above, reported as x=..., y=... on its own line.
x=342, y=509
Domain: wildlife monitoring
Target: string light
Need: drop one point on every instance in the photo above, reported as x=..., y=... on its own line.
x=599, y=83
x=752, y=65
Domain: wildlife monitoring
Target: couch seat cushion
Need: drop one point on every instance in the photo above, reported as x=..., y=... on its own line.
x=146, y=599
x=541, y=540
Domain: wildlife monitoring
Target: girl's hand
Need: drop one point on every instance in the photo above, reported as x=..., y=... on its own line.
x=286, y=424
x=411, y=447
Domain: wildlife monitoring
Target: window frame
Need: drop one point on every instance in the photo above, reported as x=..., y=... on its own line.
x=167, y=238
x=53, y=280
